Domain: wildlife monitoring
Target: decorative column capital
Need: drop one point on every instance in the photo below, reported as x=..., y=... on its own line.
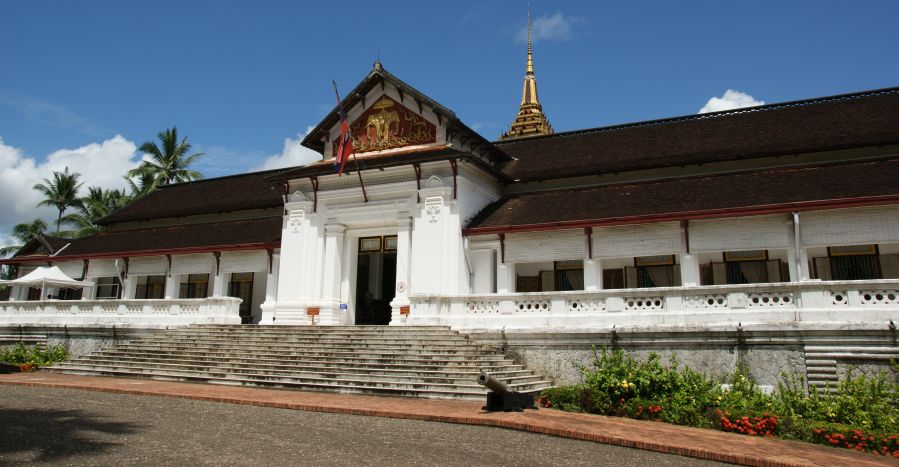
x=335, y=229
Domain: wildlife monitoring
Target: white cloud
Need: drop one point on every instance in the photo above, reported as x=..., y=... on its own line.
x=293, y=154
x=100, y=164
x=729, y=101
x=552, y=27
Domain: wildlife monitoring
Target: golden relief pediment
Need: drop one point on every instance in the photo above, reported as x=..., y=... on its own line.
x=387, y=124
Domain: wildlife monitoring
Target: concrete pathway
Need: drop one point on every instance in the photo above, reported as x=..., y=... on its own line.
x=653, y=436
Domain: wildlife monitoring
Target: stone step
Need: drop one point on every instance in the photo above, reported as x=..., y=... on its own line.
x=436, y=339
x=431, y=367
x=819, y=362
x=282, y=343
x=324, y=347
x=363, y=386
x=436, y=371
x=319, y=328
x=315, y=330
x=282, y=358
x=253, y=359
x=312, y=353
x=335, y=375
x=423, y=361
x=820, y=376
x=857, y=356
x=849, y=349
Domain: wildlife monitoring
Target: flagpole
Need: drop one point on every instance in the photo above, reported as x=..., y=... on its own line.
x=364, y=196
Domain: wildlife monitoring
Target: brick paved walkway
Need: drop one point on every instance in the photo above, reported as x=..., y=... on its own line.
x=694, y=442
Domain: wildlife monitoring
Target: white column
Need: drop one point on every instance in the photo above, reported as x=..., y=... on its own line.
x=89, y=293
x=689, y=270
x=484, y=264
x=302, y=251
x=15, y=293
x=130, y=287
x=218, y=285
x=438, y=263
x=505, y=277
x=271, y=291
x=172, y=286
x=798, y=266
x=330, y=302
x=592, y=274
x=402, y=282
x=797, y=257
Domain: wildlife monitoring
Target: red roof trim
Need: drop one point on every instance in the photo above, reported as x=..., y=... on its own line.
x=687, y=215
x=134, y=254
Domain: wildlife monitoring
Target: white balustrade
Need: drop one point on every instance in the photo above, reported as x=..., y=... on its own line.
x=808, y=302
x=144, y=313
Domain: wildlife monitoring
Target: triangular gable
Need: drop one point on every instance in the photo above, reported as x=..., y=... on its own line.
x=387, y=115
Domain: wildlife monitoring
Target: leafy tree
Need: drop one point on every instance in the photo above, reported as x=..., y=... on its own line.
x=171, y=163
x=97, y=204
x=140, y=186
x=61, y=193
x=24, y=233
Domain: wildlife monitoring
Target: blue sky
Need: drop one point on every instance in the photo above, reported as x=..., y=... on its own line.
x=83, y=83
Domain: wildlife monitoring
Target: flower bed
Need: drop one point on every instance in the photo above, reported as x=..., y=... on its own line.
x=861, y=413
x=29, y=358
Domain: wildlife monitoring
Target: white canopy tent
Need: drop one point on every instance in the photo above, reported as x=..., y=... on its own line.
x=47, y=277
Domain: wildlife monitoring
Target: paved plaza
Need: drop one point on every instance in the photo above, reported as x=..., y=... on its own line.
x=50, y=418
x=77, y=427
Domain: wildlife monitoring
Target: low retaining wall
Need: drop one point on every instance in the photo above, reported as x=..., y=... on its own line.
x=819, y=354
x=78, y=340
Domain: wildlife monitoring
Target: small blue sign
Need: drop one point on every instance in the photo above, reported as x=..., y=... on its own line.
x=343, y=306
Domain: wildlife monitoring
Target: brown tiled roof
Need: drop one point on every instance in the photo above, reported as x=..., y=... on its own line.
x=689, y=197
x=852, y=120
x=36, y=248
x=213, y=195
x=224, y=235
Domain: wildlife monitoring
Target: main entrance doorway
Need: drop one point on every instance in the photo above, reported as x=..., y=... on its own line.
x=375, y=276
x=241, y=286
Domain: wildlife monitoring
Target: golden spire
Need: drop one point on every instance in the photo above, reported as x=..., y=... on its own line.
x=530, y=121
x=530, y=68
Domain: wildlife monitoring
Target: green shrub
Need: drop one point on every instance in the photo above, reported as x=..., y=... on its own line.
x=36, y=355
x=567, y=398
x=860, y=413
x=619, y=385
x=868, y=403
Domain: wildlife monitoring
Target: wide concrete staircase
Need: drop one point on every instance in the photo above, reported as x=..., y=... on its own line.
x=418, y=361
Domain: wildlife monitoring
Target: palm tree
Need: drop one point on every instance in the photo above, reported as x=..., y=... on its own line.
x=61, y=193
x=137, y=188
x=97, y=204
x=24, y=233
x=169, y=164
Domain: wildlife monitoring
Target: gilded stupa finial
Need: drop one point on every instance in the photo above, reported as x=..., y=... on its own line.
x=530, y=121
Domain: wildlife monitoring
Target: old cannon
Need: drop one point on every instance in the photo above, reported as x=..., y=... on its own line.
x=500, y=398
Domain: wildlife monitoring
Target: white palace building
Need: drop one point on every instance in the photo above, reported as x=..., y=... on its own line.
x=782, y=218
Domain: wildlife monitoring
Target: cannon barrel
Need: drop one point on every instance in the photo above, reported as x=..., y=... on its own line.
x=493, y=384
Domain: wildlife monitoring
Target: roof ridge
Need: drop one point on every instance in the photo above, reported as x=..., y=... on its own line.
x=173, y=226
x=779, y=169
x=719, y=114
x=223, y=177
